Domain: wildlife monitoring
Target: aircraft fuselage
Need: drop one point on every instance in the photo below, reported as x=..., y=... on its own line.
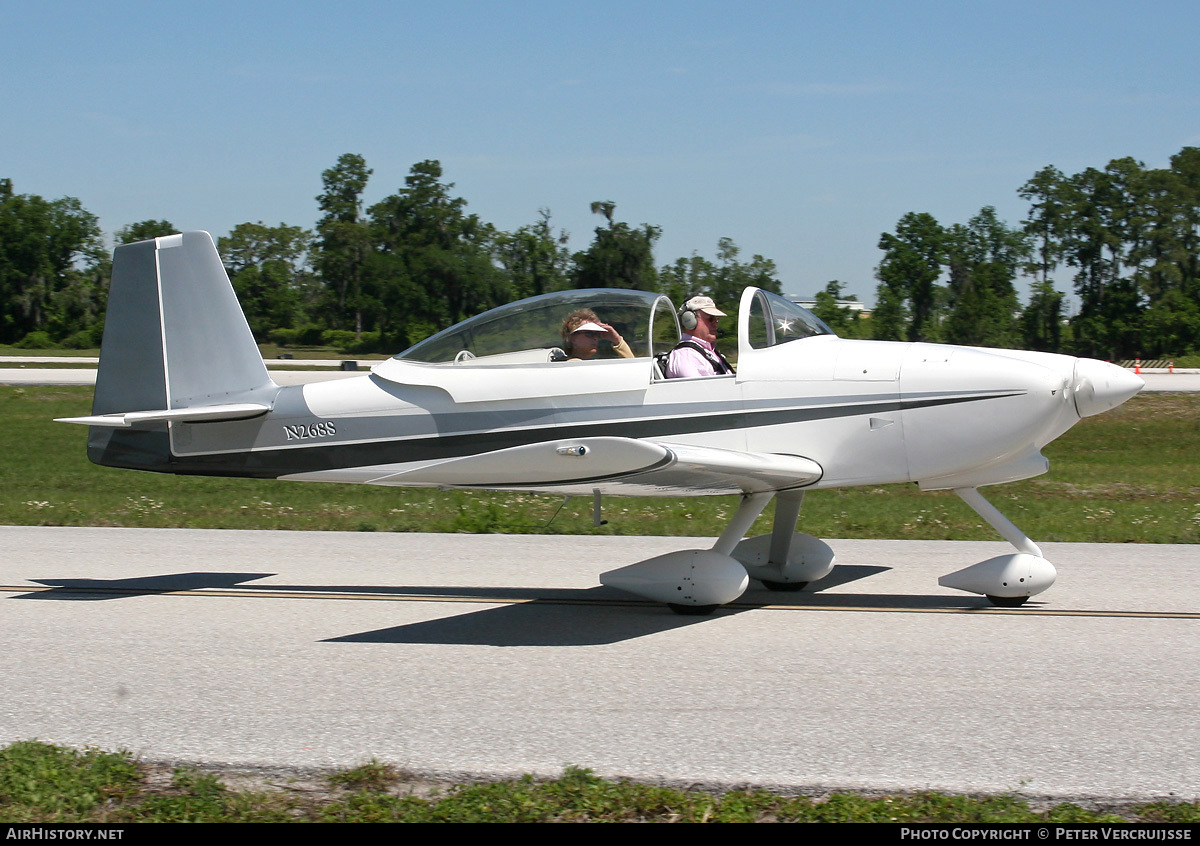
x=867, y=412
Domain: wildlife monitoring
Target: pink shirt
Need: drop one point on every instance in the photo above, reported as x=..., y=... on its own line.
x=684, y=362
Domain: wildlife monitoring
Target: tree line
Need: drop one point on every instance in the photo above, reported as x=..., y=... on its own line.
x=1128, y=236
x=382, y=277
x=363, y=279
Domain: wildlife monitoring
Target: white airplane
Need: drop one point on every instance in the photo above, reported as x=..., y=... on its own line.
x=489, y=403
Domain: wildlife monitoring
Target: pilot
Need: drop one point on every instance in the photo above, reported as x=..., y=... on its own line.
x=696, y=354
x=582, y=332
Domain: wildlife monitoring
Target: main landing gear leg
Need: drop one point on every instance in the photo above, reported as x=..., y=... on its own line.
x=1007, y=580
x=751, y=506
x=694, y=581
x=786, y=560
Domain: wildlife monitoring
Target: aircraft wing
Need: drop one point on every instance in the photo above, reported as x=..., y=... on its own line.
x=615, y=466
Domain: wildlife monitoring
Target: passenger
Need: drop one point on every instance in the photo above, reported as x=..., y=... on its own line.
x=582, y=332
x=696, y=354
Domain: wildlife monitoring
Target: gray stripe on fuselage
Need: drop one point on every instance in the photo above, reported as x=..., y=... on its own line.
x=448, y=443
x=418, y=422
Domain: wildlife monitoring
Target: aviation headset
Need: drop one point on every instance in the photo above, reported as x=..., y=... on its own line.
x=687, y=316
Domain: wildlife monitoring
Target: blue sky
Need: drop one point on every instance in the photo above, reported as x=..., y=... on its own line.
x=802, y=130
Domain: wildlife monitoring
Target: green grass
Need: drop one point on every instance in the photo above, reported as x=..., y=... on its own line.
x=1126, y=476
x=10, y=350
x=43, y=783
x=47, y=783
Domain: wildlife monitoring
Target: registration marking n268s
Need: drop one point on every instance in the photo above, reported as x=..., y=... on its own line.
x=312, y=430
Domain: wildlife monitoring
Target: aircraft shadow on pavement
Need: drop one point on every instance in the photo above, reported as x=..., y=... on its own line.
x=596, y=616
x=91, y=590
x=584, y=617
x=844, y=574
x=526, y=616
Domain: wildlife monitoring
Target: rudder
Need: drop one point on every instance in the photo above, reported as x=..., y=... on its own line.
x=175, y=338
x=174, y=333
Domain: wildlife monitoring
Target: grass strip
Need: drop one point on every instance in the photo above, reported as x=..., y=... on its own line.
x=1125, y=476
x=45, y=783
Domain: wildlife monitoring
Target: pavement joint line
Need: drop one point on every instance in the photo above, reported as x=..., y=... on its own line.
x=268, y=593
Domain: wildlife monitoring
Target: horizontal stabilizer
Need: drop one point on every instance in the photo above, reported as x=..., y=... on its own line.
x=196, y=414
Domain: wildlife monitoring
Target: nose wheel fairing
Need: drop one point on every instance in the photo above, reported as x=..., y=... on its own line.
x=1016, y=576
x=1007, y=580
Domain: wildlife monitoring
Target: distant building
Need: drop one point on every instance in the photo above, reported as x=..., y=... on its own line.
x=852, y=305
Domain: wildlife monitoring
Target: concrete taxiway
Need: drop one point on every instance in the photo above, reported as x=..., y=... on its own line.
x=495, y=655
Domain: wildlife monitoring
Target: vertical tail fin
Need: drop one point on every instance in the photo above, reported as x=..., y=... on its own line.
x=176, y=347
x=174, y=334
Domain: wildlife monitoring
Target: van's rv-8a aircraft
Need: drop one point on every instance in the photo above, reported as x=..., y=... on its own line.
x=490, y=404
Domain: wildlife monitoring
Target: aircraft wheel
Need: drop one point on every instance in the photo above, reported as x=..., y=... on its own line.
x=784, y=587
x=1007, y=601
x=691, y=610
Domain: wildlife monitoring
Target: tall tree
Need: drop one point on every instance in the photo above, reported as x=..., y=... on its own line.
x=268, y=266
x=908, y=276
x=1099, y=212
x=1046, y=193
x=535, y=257
x=733, y=276
x=983, y=259
x=620, y=256
x=1185, y=165
x=1046, y=227
x=344, y=243
x=434, y=262
x=48, y=250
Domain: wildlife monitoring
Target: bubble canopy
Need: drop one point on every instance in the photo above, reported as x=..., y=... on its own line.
x=647, y=321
